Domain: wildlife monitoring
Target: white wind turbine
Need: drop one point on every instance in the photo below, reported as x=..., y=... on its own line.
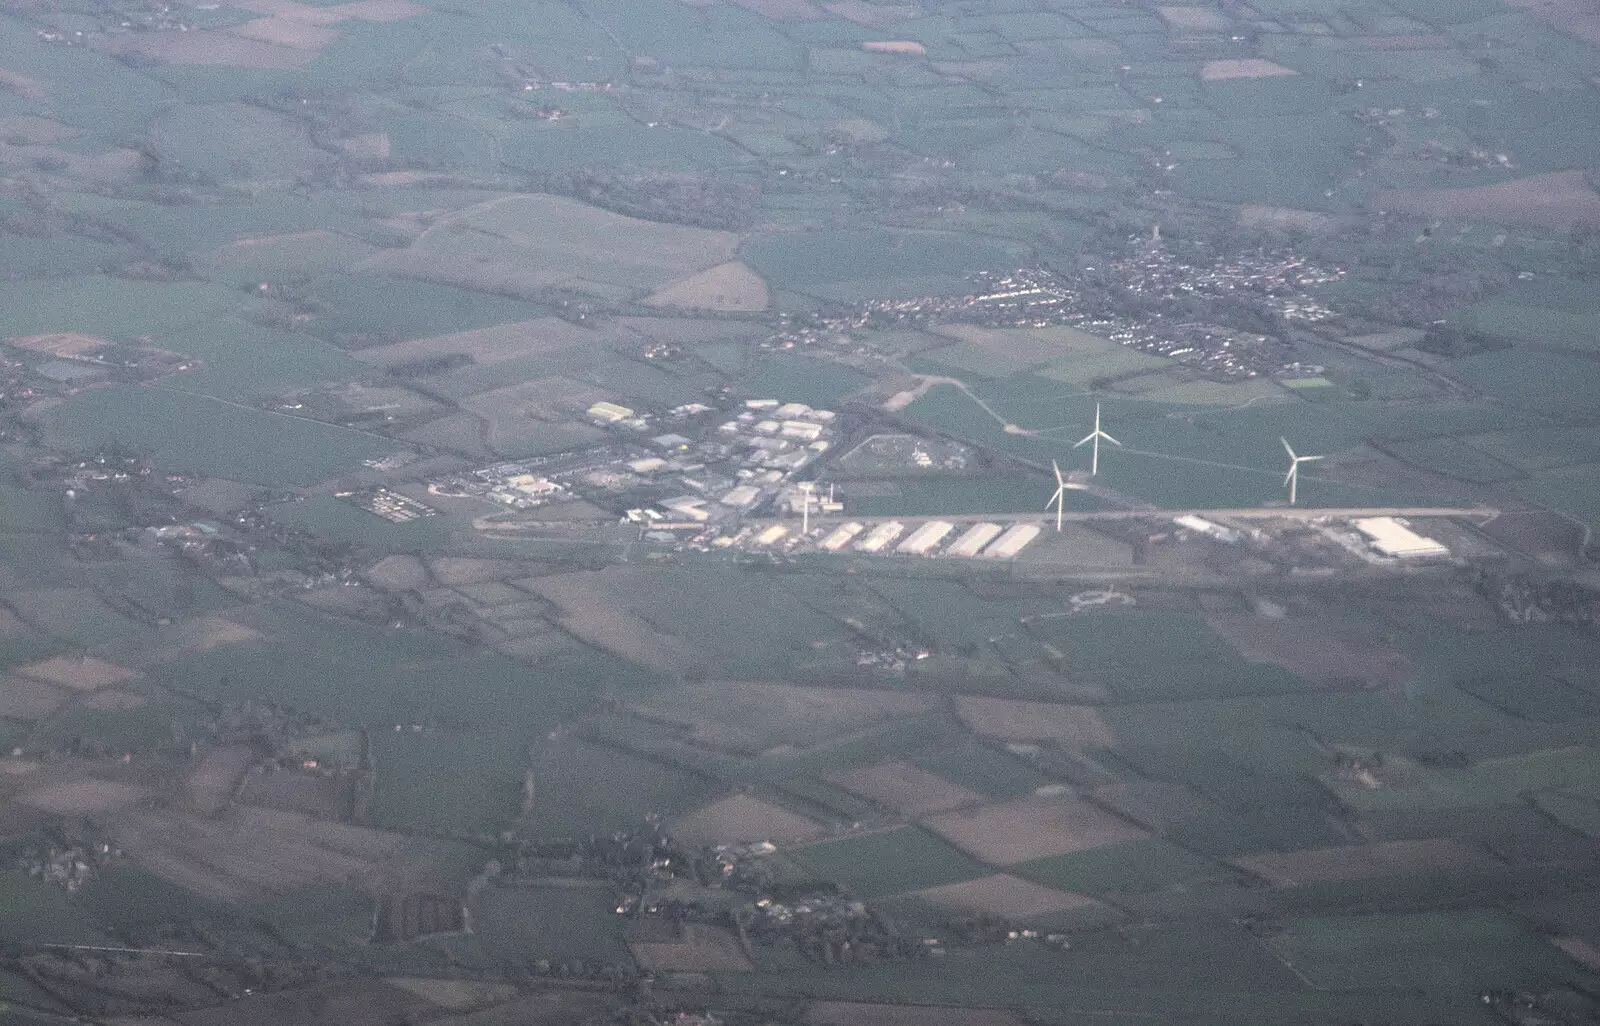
x=806, y=488
x=1095, y=436
x=1060, y=497
x=1294, y=466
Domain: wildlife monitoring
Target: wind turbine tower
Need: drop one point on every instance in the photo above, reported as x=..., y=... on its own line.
x=805, y=507
x=1294, y=466
x=1095, y=436
x=1060, y=497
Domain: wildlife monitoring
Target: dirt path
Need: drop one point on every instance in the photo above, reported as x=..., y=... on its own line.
x=925, y=382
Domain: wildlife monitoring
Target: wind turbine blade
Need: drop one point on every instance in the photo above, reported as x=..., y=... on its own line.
x=1085, y=440
x=1058, y=494
x=1293, y=469
x=1060, y=481
x=1108, y=438
x=1287, y=447
x=1308, y=459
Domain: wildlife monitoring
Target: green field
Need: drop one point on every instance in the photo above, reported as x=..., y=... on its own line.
x=186, y=432
x=366, y=307
x=892, y=862
x=746, y=623
x=1536, y=450
x=1455, y=458
x=108, y=307
x=1199, y=974
x=1153, y=865
x=340, y=521
x=444, y=780
x=801, y=380
x=40, y=913
x=1548, y=382
x=165, y=723
x=983, y=769
x=1579, y=813
x=1534, y=324
x=820, y=260
x=1431, y=950
x=241, y=361
x=1574, y=771
x=129, y=900
x=1570, y=490
x=328, y=917
x=580, y=788
x=1120, y=651
x=518, y=925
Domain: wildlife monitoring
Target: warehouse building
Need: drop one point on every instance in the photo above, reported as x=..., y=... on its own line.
x=742, y=497
x=1395, y=538
x=973, y=540
x=1012, y=542
x=842, y=535
x=926, y=538
x=804, y=430
x=610, y=413
x=688, y=506
x=772, y=535
x=879, y=537
x=1200, y=525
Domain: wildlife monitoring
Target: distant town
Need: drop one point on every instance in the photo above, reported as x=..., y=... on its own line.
x=1145, y=298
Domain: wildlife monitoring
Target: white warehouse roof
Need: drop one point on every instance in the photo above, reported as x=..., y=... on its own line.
x=879, y=537
x=1012, y=542
x=975, y=538
x=925, y=538
x=842, y=536
x=1395, y=538
x=742, y=496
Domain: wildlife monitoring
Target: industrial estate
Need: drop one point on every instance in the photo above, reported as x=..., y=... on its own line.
x=740, y=483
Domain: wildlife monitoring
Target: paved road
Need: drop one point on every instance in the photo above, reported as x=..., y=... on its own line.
x=1257, y=513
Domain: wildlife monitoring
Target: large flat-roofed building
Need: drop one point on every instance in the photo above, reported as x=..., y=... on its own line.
x=742, y=497
x=1200, y=525
x=788, y=460
x=610, y=413
x=1393, y=537
x=926, y=538
x=772, y=535
x=532, y=485
x=804, y=430
x=689, y=506
x=1012, y=542
x=879, y=537
x=842, y=535
x=973, y=540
